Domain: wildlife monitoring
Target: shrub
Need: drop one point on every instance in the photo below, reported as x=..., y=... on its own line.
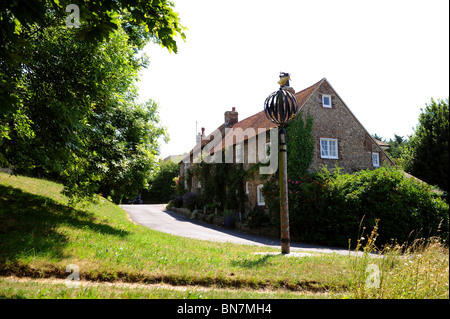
x=271, y=192
x=211, y=208
x=178, y=201
x=257, y=217
x=407, y=208
x=331, y=208
x=192, y=201
x=230, y=219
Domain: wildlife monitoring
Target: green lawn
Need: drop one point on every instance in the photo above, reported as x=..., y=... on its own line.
x=40, y=235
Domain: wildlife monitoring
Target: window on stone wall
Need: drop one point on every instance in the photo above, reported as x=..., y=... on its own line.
x=329, y=148
x=267, y=149
x=376, y=159
x=326, y=101
x=260, y=195
x=239, y=153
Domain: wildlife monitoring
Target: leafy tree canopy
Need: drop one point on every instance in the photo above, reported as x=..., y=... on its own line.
x=395, y=146
x=22, y=20
x=69, y=110
x=162, y=183
x=427, y=153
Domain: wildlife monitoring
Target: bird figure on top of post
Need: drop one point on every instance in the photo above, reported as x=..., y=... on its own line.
x=284, y=78
x=284, y=82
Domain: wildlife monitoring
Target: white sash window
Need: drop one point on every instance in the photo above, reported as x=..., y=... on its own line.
x=329, y=148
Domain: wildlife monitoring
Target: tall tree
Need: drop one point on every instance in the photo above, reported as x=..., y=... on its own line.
x=427, y=153
x=77, y=118
x=23, y=22
x=162, y=184
x=396, y=145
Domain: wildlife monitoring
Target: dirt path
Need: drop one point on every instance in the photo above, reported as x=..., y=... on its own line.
x=194, y=289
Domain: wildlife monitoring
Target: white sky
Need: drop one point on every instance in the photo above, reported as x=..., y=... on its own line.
x=385, y=59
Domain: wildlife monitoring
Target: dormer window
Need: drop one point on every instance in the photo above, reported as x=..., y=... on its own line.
x=326, y=101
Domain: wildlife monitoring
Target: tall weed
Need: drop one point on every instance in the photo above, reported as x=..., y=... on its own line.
x=419, y=270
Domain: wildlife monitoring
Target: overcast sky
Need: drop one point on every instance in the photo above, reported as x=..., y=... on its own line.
x=385, y=59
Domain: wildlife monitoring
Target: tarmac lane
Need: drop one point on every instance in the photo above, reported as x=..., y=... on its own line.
x=156, y=217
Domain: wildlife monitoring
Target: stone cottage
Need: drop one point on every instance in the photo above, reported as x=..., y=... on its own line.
x=339, y=138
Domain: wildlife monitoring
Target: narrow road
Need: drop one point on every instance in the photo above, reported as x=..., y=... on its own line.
x=157, y=218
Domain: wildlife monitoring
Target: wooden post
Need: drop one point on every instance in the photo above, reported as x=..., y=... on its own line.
x=284, y=204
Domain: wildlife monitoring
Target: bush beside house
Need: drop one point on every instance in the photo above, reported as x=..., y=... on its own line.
x=332, y=208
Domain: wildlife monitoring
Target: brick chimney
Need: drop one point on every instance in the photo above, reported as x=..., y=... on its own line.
x=231, y=117
x=200, y=136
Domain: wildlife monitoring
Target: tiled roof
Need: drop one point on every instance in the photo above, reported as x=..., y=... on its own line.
x=303, y=95
x=251, y=124
x=260, y=120
x=381, y=143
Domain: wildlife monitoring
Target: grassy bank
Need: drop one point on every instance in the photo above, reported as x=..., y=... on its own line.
x=40, y=235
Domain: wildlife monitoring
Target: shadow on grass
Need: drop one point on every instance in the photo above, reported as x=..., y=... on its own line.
x=251, y=263
x=29, y=222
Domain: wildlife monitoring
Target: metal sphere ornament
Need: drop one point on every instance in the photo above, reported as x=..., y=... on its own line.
x=281, y=106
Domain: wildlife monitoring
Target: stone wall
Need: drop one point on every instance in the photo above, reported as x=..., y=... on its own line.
x=355, y=146
x=253, y=182
x=6, y=170
x=218, y=220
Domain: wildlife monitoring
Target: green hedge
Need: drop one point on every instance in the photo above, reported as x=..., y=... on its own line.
x=331, y=208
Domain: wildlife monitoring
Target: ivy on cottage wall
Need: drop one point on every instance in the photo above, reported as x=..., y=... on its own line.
x=222, y=183
x=300, y=146
x=300, y=152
